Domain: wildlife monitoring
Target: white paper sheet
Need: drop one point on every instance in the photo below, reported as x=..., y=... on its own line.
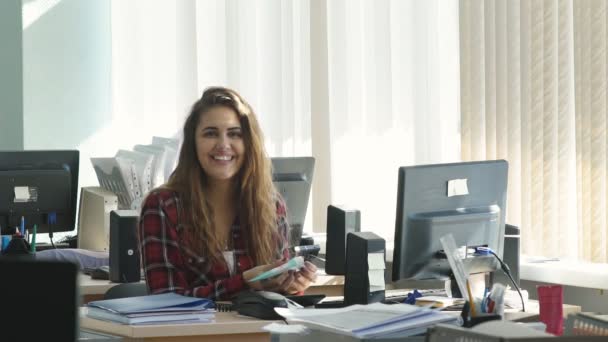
x=367, y=320
x=375, y=261
x=376, y=280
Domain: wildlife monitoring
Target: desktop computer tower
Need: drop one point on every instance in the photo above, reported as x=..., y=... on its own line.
x=124, y=251
x=340, y=222
x=364, y=281
x=96, y=203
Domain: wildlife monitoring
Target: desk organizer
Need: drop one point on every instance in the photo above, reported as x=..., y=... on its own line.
x=450, y=333
x=586, y=324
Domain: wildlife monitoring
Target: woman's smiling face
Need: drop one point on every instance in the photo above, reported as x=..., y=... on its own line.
x=219, y=143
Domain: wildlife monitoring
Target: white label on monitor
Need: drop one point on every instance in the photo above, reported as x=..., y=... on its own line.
x=458, y=187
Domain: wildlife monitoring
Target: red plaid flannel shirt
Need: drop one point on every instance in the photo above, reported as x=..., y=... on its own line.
x=172, y=266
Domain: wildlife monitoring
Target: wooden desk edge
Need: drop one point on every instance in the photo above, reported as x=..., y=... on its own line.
x=226, y=323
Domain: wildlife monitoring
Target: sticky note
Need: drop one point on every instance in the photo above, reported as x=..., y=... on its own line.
x=375, y=261
x=22, y=194
x=458, y=187
x=376, y=280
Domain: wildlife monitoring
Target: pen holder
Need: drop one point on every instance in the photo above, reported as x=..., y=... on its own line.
x=18, y=247
x=469, y=322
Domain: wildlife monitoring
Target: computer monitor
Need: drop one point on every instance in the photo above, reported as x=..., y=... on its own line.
x=467, y=200
x=292, y=177
x=40, y=186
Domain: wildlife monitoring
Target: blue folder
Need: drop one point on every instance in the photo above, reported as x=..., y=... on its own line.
x=166, y=302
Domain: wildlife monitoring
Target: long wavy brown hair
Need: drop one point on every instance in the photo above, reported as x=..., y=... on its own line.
x=257, y=195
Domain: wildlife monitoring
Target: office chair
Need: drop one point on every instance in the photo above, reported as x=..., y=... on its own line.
x=38, y=292
x=126, y=290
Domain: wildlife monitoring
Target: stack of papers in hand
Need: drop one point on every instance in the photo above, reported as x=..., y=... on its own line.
x=153, y=309
x=370, y=321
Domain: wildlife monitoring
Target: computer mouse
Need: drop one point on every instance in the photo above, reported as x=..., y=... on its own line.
x=101, y=273
x=259, y=304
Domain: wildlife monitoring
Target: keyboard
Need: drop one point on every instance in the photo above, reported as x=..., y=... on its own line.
x=45, y=245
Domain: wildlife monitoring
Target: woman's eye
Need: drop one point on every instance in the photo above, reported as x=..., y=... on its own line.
x=209, y=134
x=235, y=134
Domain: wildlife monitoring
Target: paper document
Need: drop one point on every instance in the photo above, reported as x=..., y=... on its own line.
x=376, y=280
x=376, y=267
x=375, y=261
x=292, y=265
x=438, y=301
x=508, y=329
x=373, y=320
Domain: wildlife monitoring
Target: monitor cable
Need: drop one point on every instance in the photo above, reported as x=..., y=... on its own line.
x=505, y=268
x=51, y=219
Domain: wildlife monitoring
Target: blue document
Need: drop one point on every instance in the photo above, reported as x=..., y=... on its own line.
x=166, y=302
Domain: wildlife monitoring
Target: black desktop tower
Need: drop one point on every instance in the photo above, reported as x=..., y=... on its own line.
x=340, y=222
x=510, y=256
x=357, y=289
x=124, y=251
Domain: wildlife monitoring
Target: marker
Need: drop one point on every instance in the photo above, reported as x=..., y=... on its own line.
x=22, y=226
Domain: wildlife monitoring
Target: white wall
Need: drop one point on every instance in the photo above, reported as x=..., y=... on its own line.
x=66, y=78
x=11, y=95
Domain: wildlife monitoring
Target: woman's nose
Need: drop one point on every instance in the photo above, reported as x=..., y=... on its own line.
x=223, y=141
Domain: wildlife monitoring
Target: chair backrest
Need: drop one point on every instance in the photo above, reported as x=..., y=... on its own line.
x=34, y=292
x=126, y=290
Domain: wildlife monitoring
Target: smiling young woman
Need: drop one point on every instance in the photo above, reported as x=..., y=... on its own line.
x=218, y=221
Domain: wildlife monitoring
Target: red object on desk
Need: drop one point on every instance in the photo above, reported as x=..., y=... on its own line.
x=550, y=300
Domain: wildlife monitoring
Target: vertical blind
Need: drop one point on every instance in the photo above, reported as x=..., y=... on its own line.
x=533, y=92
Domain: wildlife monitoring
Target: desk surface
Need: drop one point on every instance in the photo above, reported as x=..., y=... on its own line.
x=228, y=326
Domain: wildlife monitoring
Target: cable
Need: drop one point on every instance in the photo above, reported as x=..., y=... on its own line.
x=51, y=219
x=505, y=268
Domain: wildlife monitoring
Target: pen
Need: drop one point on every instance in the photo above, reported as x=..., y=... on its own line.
x=471, y=301
x=33, y=244
x=22, y=226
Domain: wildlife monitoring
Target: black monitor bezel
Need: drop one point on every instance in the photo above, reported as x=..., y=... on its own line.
x=40, y=161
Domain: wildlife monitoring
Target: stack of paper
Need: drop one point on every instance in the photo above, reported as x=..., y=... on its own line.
x=370, y=321
x=438, y=301
x=153, y=309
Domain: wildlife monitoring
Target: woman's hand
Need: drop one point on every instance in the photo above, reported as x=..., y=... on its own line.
x=302, y=279
x=276, y=284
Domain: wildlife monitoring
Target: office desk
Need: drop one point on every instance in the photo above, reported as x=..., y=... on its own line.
x=92, y=289
x=532, y=312
x=231, y=327
x=228, y=327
